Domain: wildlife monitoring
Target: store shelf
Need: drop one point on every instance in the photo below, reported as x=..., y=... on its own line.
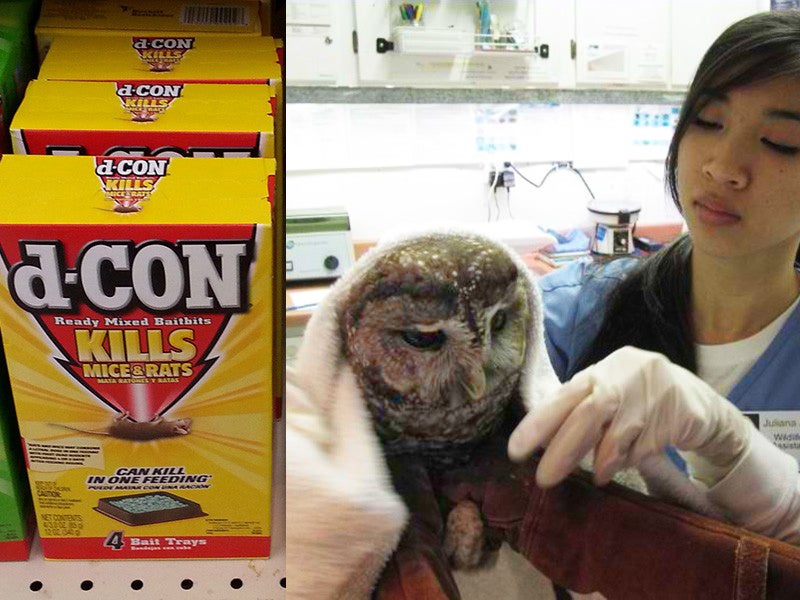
x=161, y=580
x=404, y=95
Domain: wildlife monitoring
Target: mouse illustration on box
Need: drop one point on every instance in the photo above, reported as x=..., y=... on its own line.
x=123, y=427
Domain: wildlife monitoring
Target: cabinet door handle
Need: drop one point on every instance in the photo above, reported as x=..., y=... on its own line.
x=544, y=51
x=382, y=46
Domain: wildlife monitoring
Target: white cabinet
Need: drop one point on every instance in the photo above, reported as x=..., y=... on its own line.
x=622, y=43
x=453, y=43
x=566, y=44
x=695, y=24
x=319, y=43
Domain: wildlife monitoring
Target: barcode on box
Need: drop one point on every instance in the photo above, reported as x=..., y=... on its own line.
x=215, y=15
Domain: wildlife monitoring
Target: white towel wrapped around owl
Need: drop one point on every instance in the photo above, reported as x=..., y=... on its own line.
x=422, y=342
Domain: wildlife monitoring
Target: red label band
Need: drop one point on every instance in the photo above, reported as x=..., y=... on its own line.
x=150, y=547
x=19, y=549
x=140, y=143
x=16, y=550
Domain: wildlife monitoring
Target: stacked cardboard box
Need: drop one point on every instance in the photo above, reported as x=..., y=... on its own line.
x=136, y=311
x=184, y=385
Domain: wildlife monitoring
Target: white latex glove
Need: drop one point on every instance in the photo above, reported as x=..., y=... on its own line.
x=628, y=407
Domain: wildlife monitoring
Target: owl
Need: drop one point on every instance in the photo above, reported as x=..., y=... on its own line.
x=436, y=333
x=434, y=337
x=436, y=330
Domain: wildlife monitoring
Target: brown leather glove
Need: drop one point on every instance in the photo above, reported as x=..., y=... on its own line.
x=419, y=567
x=610, y=539
x=445, y=504
x=499, y=488
x=629, y=546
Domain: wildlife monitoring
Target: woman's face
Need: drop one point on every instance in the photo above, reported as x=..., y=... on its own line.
x=738, y=172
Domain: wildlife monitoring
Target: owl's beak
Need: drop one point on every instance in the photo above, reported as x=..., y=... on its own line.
x=475, y=384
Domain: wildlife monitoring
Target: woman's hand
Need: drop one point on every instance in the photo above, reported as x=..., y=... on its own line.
x=629, y=406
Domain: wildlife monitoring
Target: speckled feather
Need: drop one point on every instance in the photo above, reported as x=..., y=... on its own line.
x=467, y=295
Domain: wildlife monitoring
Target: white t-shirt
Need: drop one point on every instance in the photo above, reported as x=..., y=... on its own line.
x=762, y=492
x=722, y=365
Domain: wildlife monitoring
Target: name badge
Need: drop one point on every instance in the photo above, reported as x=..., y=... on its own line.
x=781, y=427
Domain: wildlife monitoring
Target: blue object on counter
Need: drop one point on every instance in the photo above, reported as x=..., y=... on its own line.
x=574, y=240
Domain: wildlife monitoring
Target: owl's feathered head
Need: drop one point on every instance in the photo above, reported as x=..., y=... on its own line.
x=438, y=329
x=434, y=312
x=436, y=333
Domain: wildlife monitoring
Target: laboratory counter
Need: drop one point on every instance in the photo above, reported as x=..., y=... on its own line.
x=302, y=297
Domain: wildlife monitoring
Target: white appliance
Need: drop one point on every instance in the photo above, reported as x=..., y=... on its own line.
x=613, y=230
x=318, y=244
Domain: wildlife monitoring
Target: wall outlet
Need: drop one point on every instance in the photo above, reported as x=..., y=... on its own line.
x=505, y=178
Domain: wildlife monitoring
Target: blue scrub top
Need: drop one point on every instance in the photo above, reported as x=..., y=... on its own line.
x=574, y=303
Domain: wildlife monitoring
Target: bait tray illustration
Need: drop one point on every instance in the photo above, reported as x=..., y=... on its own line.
x=148, y=508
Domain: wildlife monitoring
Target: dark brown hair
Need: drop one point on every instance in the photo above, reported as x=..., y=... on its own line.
x=651, y=307
x=761, y=47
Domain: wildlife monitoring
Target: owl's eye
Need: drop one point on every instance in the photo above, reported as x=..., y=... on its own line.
x=498, y=321
x=424, y=340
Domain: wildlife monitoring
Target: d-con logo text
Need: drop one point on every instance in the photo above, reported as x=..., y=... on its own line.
x=127, y=182
x=145, y=101
x=148, y=90
x=134, y=320
x=116, y=276
x=108, y=167
x=162, y=53
x=158, y=43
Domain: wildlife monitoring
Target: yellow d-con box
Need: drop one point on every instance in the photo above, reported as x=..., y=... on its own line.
x=145, y=118
x=165, y=59
x=156, y=17
x=136, y=311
